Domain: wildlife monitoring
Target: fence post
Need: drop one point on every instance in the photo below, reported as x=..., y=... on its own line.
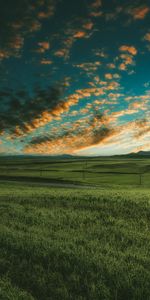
x=140, y=178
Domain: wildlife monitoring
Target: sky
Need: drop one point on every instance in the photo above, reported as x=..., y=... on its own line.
x=74, y=77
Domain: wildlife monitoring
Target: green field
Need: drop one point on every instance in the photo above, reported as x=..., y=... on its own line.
x=97, y=171
x=75, y=243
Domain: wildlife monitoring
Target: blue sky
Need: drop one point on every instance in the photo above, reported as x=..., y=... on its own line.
x=75, y=77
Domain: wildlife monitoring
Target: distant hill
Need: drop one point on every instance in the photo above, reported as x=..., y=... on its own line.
x=140, y=154
x=143, y=153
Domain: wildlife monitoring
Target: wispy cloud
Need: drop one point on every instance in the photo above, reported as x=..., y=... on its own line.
x=22, y=24
x=139, y=12
x=83, y=133
x=24, y=113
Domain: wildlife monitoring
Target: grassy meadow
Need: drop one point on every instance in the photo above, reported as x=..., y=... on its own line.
x=130, y=171
x=75, y=243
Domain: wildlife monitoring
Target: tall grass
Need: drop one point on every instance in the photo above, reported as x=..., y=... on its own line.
x=74, y=244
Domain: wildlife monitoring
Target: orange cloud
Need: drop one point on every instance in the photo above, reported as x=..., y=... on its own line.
x=43, y=46
x=130, y=49
x=82, y=29
x=79, y=34
x=81, y=134
x=17, y=42
x=88, y=25
x=143, y=132
x=145, y=147
x=45, y=15
x=95, y=8
x=127, y=58
x=13, y=49
x=139, y=13
x=35, y=26
x=108, y=76
x=122, y=67
x=60, y=53
x=46, y=62
x=113, y=85
x=111, y=76
x=50, y=10
x=111, y=66
x=96, y=14
x=86, y=133
x=47, y=116
x=96, y=4
x=147, y=37
x=27, y=22
x=143, y=98
x=89, y=66
x=88, y=92
x=3, y=54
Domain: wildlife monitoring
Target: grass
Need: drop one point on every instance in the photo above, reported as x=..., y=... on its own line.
x=75, y=244
x=91, y=171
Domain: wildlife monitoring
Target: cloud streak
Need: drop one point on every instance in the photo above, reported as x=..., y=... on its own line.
x=25, y=113
x=83, y=134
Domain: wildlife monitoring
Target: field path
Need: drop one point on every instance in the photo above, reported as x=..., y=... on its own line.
x=51, y=183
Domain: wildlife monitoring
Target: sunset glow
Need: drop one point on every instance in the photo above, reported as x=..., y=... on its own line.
x=75, y=77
